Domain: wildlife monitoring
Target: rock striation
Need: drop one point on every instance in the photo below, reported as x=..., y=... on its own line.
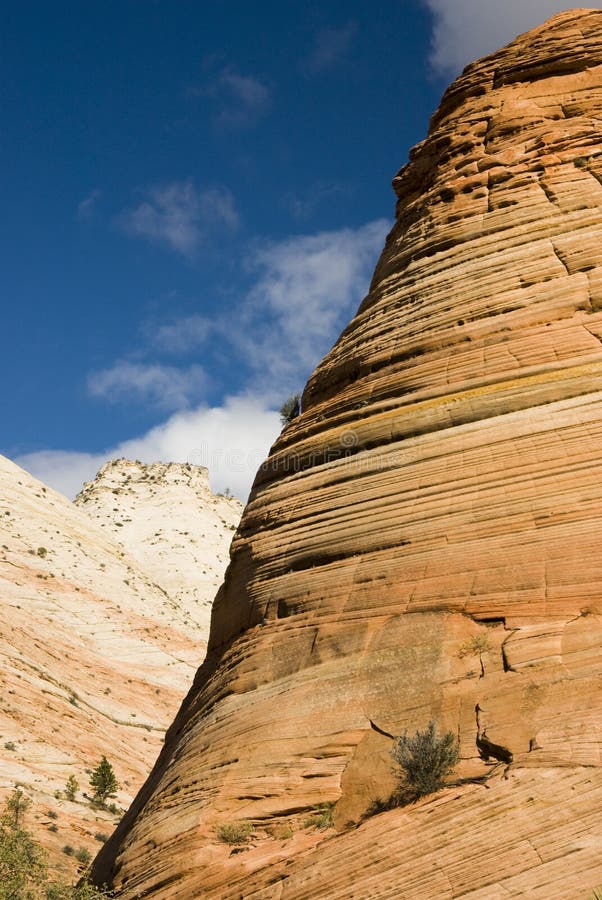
x=95, y=656
x=172, y=524
x=422, y=544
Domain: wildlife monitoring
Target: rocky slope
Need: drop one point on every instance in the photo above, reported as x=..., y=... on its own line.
x=441, y=492
x=94, y=659
x=171, y=523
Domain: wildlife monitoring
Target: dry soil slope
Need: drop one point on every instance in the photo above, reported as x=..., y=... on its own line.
x=94, y=658
x=171, y=523
x=444, y=483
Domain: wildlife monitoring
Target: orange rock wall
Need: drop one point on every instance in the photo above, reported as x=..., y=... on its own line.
x=443, y=483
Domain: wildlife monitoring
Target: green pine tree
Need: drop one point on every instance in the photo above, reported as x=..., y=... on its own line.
x=103, y=781
x=16, y=807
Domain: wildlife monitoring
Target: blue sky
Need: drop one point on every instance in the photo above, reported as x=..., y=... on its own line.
x=194, y=196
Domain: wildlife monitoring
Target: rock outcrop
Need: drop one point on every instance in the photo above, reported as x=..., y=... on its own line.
x=423, y=544
x=95, y=656
x=172, y=524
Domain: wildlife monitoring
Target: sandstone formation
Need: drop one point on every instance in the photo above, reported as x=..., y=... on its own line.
x=441, y=492
x=171, y=523
x=95, y=657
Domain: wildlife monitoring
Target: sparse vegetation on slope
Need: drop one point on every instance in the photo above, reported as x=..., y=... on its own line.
x=23, y=864
x=425, y=760
x=290, y=409
x=234, y=832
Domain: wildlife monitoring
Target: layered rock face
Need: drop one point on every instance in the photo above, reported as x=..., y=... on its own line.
x=173, y=525
x=95, y=657
x=423, y=544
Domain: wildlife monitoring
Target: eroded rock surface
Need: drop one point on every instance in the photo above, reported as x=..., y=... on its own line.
x=174, y=526
x=95, y=656
x=442, y=491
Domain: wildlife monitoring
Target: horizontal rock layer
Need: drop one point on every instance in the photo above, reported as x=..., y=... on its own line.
x=442, y=491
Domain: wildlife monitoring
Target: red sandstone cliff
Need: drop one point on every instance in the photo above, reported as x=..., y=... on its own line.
x=443, y=483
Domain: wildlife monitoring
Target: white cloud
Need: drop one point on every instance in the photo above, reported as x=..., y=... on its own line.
x=180, y=335
x=240, y=100
x=464, y=30
x=308, y=288
x=165, y=387
x=231, y=440
x=330, y=46
x=180, y=216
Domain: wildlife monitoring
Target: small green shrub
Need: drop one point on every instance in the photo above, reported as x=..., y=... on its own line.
x=234, y=832
x=53, y=827
x=83, y=855
x=42, y=552
x=425, y=761
x=476, y=645
x=101, y=837
x=68, y=850
x=10, y=745
x=323, y=816
x=290, y=409
x=22, y=862
x=52, y=814
x=71, y=788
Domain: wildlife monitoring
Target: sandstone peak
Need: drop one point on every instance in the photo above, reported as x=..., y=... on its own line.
x=127, y=472
x=441, y=491
x=171, y=523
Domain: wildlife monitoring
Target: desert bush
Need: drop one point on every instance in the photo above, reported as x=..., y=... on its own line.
x=71, y=787
x=234, y=832
x=83, y=855
x=82, y=891
x=290, y=409
x=425, y=760
x=101, y=837
x=322, y=817
x=23, y=864
x=477, y=645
